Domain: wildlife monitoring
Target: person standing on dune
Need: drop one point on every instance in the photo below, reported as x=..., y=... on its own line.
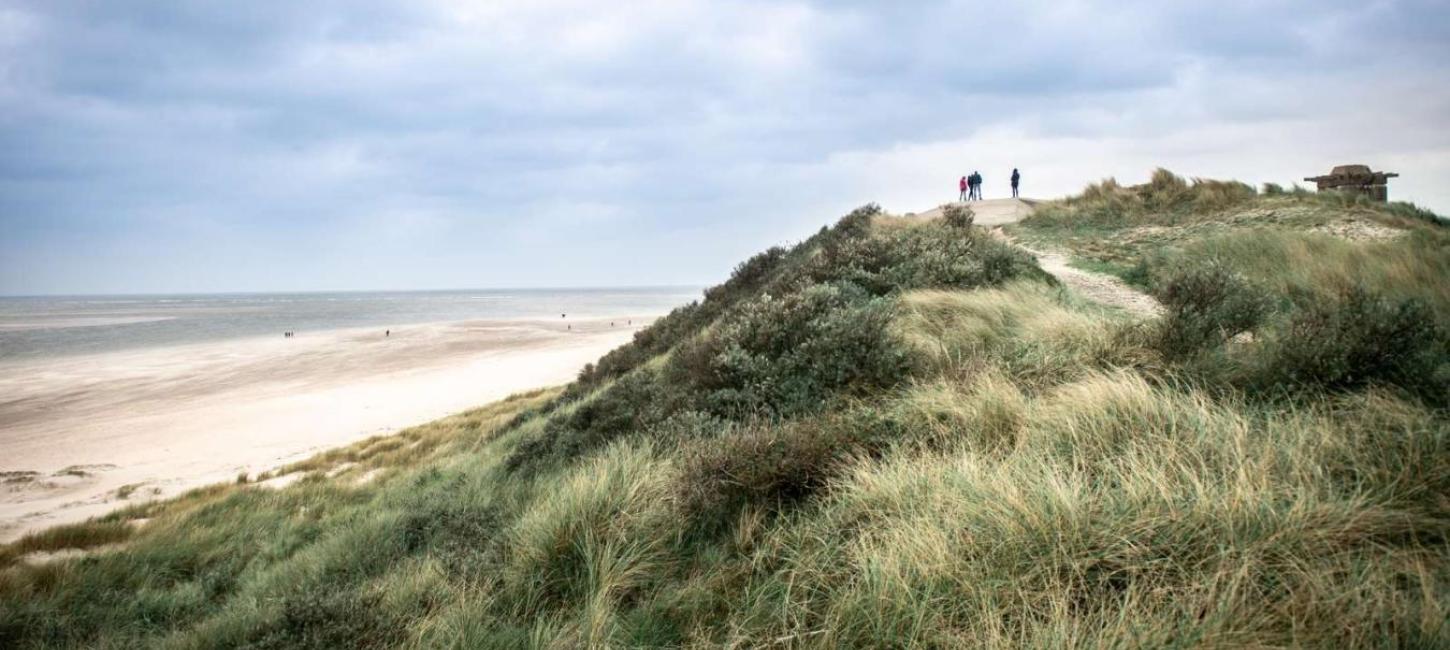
x=962, y=189
x=1015, y=178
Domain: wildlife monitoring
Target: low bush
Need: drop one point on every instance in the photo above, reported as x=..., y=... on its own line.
x=929, y=256
x=855, y=225
x=771, y=467
x=679, y=324
x=1359, y=338
x=1205, y=306
x=628, y=405
x=778, y=270
x=958, y=216
x=687, y=426
x=331, y=619
x=457, y=533
x=748, y=279
x=783, y=356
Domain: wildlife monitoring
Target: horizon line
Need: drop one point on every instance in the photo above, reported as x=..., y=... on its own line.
x=142, y=294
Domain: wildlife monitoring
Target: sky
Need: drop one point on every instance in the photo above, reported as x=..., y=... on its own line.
x=274, y=145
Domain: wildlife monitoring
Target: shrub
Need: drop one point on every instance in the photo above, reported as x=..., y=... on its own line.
x=687, y=426
x=773, y=268
x=857, y=224
x=929, y=256
x=784, y=355
x=679, y=324
x=458, y=533
x=958, y=216
x=626, y=406
x=1359, y=338
x=1206, y=305
x=332, y=619
x=749, y=276
x=772, y=467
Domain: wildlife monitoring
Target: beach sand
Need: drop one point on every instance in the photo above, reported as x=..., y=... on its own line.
x=82, y=435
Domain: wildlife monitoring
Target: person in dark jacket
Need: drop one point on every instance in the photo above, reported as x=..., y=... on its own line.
x=1016, y=177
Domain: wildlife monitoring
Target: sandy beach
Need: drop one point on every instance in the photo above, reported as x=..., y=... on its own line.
x=82, y=435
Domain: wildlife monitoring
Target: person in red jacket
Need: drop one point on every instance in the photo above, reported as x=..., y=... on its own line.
x=962, y=189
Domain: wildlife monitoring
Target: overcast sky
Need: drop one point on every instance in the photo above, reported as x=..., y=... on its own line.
x=194, y=145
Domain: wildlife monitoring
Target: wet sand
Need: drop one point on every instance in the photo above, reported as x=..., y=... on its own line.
x=82, y=435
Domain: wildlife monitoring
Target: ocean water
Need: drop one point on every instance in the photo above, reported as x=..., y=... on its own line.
x=39, y=327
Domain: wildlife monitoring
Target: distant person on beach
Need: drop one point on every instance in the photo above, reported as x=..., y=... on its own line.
x=387, y=333
x=976, y=192
x=962, y=189
x=1016, y=177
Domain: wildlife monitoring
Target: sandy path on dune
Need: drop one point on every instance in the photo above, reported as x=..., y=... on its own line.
x=1097, y=287
x=82, y=435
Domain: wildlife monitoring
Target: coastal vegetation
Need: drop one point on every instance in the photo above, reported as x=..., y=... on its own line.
x=896, y=433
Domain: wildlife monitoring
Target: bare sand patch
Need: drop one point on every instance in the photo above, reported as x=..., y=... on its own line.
x=1358, y=230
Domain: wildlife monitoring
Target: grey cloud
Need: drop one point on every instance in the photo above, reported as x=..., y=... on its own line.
x=143, y=129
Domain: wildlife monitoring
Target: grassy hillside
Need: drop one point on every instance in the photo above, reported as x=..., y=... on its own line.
x=893, y=434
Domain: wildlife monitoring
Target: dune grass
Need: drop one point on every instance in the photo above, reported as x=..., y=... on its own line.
x=1288, y=262
x=72, y=537
x=892, y=435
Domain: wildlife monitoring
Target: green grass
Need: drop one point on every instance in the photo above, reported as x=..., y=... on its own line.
x=1133, y=275
x=73, y=537
x=894, y=434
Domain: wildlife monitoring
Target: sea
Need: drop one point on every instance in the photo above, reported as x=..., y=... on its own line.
x=50, y=326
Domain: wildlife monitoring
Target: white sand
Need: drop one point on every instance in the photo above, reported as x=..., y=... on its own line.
x=78, y=433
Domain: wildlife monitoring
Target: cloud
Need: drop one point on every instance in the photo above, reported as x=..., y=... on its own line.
x=438, y=139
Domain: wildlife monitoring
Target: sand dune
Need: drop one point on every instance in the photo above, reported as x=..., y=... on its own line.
x=82, y=435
